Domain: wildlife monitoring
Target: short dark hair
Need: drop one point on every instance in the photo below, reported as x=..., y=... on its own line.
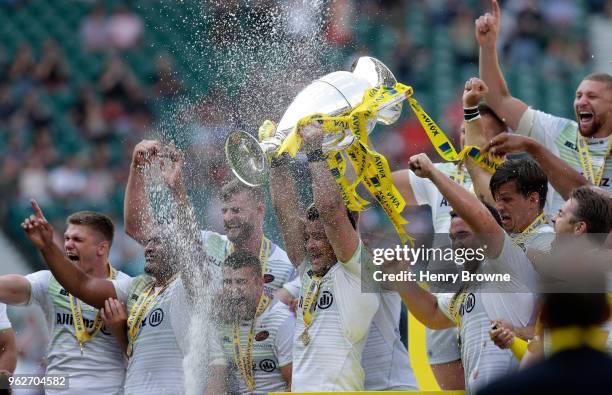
x=241, y=259
x=99, y=222
x=595, y=210
x=600, y=77
x=492, y=210
x=575, y=309
x=526, y=175
x=484, y=109
x=312, y=214
x=235, y=186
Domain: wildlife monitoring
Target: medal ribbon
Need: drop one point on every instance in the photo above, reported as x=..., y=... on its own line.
x=587, y=164
x=80, y=330
x=139, y=310
x=244, y=360
x=531, y=229
x=310, y=298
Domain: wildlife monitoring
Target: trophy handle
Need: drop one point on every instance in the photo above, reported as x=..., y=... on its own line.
x=247, y=158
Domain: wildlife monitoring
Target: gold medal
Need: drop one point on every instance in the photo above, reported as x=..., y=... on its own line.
x=305, y=337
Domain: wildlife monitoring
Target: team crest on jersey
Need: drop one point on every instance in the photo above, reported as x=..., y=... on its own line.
x=268, y=278
x=325, y=300
x=156, y=317
x=267, y=365
x=261, y=336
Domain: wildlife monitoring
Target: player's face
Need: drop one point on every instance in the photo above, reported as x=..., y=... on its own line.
x=158, y=256
x=512, y=206
x=241, y=215
x=462, y=236
x=564, y=221
x=319, y=250
x=82, y=244
x=241, y=291
x=593, y=106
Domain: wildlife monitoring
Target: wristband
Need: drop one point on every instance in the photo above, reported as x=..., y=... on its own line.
x=281, y=160
x=316, y=156
x=471, y=113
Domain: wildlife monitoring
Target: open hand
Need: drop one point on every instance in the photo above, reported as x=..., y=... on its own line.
x=506, y=143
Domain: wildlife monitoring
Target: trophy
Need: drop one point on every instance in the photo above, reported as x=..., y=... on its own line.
x=334, y=94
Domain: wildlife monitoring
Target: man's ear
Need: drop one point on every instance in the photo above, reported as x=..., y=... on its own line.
x=534, y=198
x=103, y=248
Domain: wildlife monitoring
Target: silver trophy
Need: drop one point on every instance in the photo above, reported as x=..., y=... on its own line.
x=334, y=94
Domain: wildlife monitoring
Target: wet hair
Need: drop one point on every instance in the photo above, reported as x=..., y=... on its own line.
x=241, y=259
x=312, y=214
x=600, y=77
x=99, y=222
x=235, y=186
x=526, y=175
x=484, y=109
x=492, y=210
x=595, y=210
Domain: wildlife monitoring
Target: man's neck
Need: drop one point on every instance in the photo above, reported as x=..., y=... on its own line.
x=253, y=244
x=603, y=132
x=96, y=269
x=529, y=220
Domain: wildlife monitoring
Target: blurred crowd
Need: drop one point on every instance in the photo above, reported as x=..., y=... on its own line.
x=77, y=157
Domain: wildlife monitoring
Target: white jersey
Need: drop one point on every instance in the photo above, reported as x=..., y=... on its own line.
x=342, y=317
x=385, y=360
x=156, y=363
x=482, y=360
x=272, y=348
x=101, y=368
x=4, y=321
x=426, y=193
x=441, y=344
x=559, y=135
x=279, y=269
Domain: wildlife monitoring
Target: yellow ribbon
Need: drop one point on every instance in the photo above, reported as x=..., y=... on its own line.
x=244, y=359
x=139, y=310
x=537, y=223
x=310, y=297
x=587, y=164
x=80, y=330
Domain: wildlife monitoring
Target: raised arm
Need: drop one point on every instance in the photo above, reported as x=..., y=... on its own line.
x=472, y=94
x=421, y=303
x=285, y=203
x=507, y=107
x=465, y=204
x=562, y=176
x=137, y=211
x=93, y=291
x=328, y=198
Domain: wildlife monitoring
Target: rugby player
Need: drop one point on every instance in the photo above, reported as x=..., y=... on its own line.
x=78, y=346
x=584, y=143
x=475, y=226
x=334, y=314
x=256, y=334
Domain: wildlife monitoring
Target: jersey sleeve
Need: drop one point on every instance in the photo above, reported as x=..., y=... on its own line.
x=293, y=286
x=444, y=301
x=513, y=260
x=541, y=126
x=4, y=321
x=283, y=343
x=122, y=285
x=39, y=287
x=422, y=188
x=353, y=265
